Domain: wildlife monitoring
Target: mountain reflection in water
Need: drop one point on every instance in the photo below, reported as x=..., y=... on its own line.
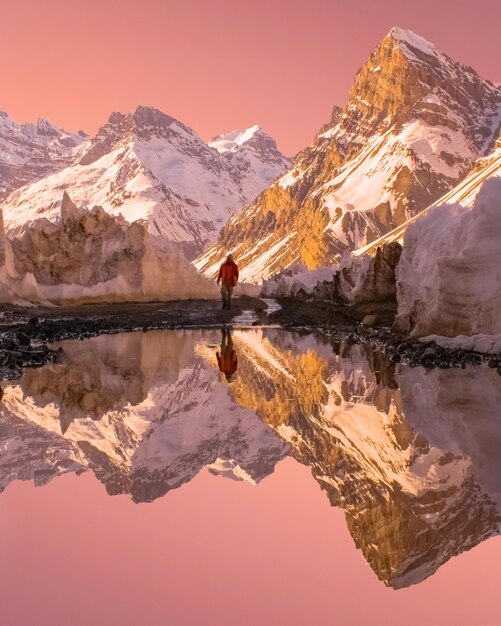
x=412, y=457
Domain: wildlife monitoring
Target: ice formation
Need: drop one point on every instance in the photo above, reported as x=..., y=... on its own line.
x=92, y=256
x=448, y=278
x=288, y=283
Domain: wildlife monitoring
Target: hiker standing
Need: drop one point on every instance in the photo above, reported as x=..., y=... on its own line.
x=228, y=276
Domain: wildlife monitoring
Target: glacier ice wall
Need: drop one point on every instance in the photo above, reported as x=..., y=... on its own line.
x=449, y=277
x=92, y=256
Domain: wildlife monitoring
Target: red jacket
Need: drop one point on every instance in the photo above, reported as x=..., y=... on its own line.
x=228, y=273
x=228, y=362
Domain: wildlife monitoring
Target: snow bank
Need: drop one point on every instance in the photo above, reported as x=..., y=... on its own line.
x=487, y=344
x=288, y=283
x=353, y=280
x=92, y=256
x=448, y=278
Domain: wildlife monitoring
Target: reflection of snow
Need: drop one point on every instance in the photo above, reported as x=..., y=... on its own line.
x=165, y=415
x=416, y=470
x=229, y=469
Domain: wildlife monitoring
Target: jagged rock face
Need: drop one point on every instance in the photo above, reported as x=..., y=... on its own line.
x=369, y=279
x=414, y=124
x=143, y=411
x=92, y=256
x=32, y=151
x=366, y=284
x=2, y=242
x=379, y=283
x=147, y=165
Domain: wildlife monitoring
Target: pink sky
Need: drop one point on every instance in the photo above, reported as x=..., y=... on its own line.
x=216, y=65
x=214, y=552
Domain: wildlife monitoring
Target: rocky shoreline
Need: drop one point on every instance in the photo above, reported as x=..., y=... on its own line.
x=345, y=324
x=26, y=334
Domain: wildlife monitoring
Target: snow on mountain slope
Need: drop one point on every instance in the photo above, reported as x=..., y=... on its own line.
x=140, y=410
x=415, y=123
x=254, y=153
x=147, y=165
x=32, y=151
x=464, y=193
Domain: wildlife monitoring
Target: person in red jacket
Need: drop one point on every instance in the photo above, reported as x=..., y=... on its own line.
x=228, y=277
x=227, y=359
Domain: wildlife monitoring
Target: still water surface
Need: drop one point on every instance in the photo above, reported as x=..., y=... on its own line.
x=257, y=477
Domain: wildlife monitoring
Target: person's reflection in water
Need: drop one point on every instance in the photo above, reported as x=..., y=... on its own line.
x=227, y=358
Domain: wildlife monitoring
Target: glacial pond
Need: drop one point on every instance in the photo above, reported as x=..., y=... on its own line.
x=257, y=477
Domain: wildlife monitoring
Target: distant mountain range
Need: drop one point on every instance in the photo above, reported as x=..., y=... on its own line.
x=419, y=128
x=144, y=165
x=32, y=151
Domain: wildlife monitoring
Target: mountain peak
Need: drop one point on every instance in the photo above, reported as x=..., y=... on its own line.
x=250, y=143
x=150, y=116
x=415, y=122
x=143, y=117
x=44, y=127
x=143, y=123
x=410, y=43
x=254, y=136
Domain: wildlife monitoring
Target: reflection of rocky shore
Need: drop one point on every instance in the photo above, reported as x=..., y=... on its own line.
x=415, y=469
x=106, y=373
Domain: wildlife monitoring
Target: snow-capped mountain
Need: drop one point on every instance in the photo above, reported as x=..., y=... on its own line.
x=147, y=165
x=254, y=153
x=415, y=123
x=31, y=151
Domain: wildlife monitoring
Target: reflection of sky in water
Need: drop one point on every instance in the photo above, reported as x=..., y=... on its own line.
x=412, y=458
